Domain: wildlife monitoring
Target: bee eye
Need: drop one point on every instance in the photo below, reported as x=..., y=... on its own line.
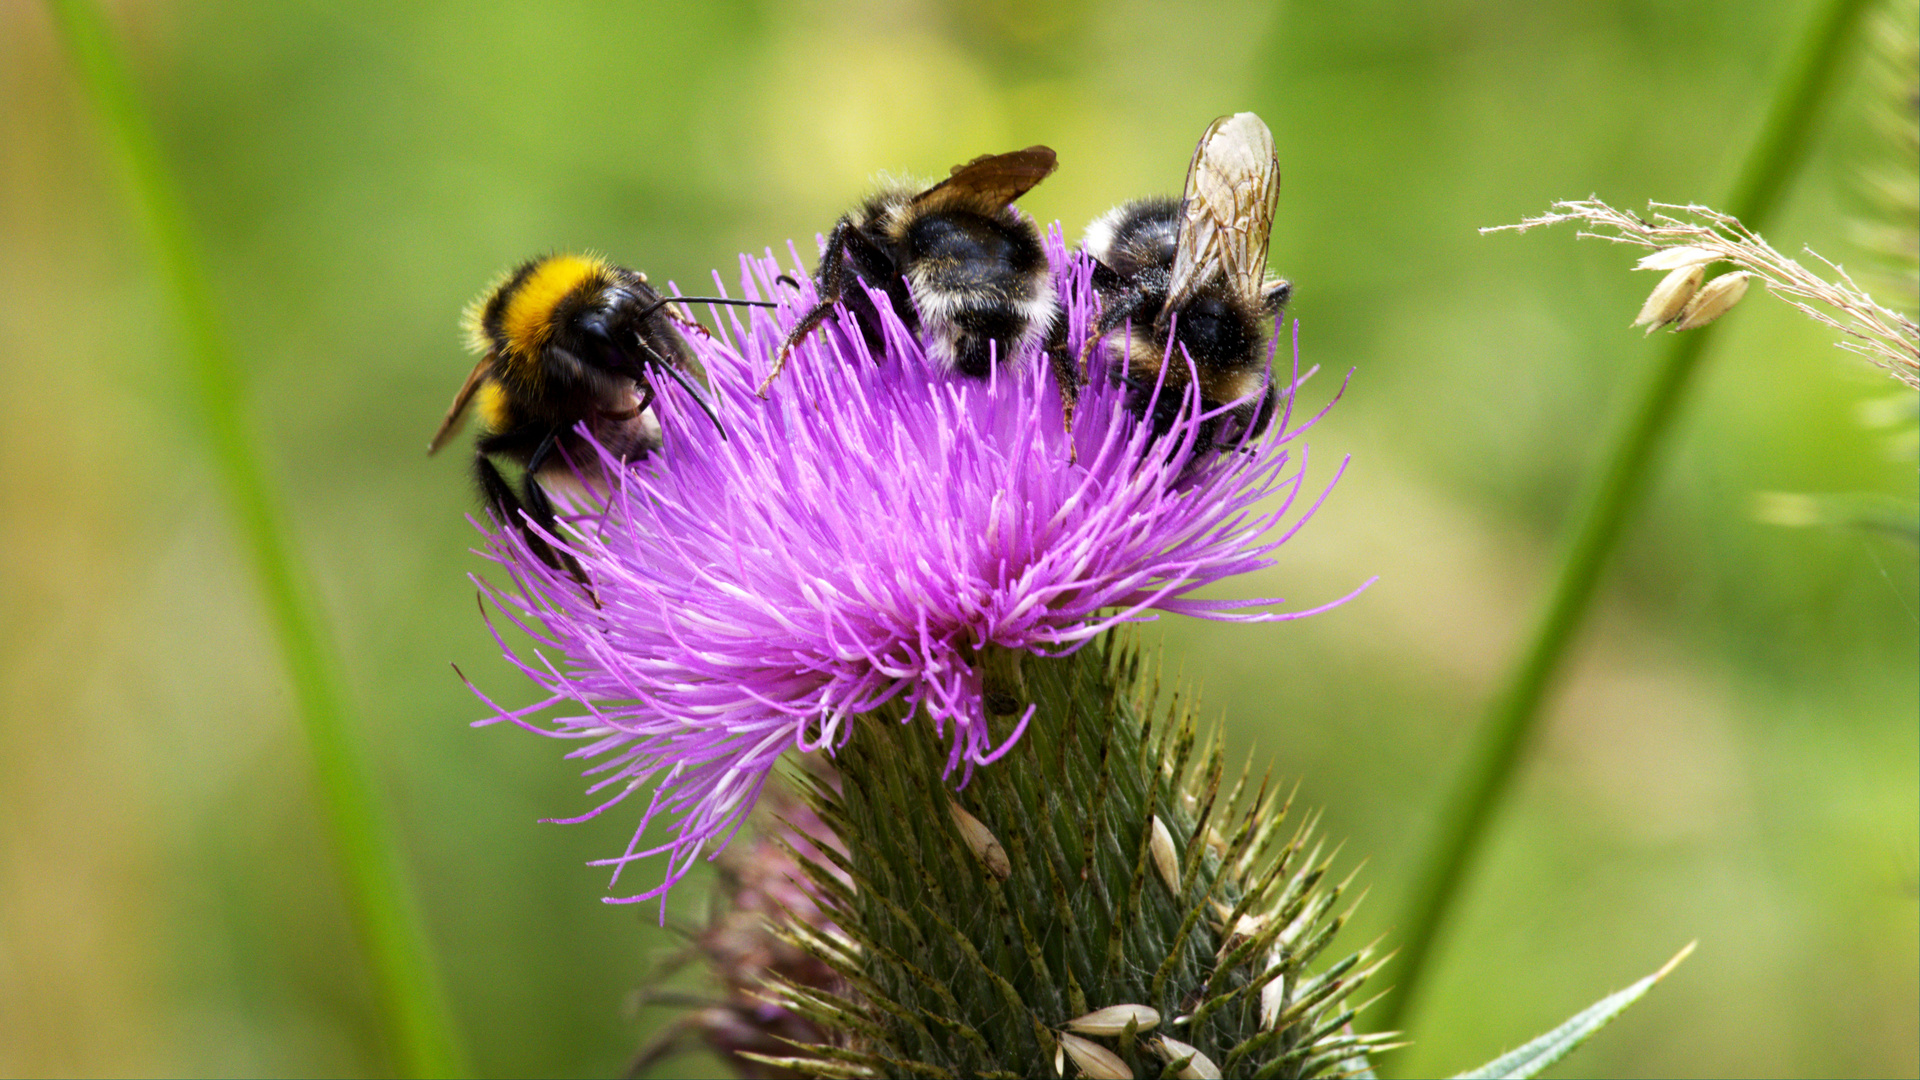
x=595, y=326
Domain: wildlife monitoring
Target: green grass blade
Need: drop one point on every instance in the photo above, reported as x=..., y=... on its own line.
x=1561, y=1041
x=419, y=1025
x=1777, y=153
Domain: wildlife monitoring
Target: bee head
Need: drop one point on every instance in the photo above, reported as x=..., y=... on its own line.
x=539, y=306
x=619, y=328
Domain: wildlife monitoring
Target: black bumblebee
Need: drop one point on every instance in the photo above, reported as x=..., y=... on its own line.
x=963, y=270
x=1195, y=271
x=565, y=340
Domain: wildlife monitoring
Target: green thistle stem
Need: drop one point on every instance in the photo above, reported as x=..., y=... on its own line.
x=410, y=998
x=1775, y=157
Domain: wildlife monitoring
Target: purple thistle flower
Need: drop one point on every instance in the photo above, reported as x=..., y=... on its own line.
x=857, y=538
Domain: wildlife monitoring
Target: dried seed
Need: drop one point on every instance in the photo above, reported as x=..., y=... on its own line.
x=1674, y=258
x=1113, y=1020
x=981, y=839
x=1095, y=1060
x=1244, y=928
x=1215, y=841
x=1670, y=297
x=1272, y=997
x=1713, y=301
x=1199, y=1066
x=1165, y=859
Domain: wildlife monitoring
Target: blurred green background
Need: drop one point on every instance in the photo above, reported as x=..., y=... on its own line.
x=1733, y=757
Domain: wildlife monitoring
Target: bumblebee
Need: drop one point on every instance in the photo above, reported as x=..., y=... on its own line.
x=565, y=340
x=1193, y=273
x=963, y=271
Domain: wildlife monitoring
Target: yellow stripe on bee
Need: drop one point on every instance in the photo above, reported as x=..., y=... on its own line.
x=527, y=322
x=490, y=401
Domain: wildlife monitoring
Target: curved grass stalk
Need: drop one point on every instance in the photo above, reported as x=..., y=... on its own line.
x=419, y=1027
x=1774, y=159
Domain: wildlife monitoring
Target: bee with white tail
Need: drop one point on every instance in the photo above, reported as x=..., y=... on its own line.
x=1192, y=273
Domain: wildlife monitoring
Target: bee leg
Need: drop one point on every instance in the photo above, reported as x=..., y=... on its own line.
x=1246, y=422
x=519, y=510
x=674, y=371
x=1163, y=411
x=847, y=244
x=504, y=502
x=540, y=511
x=1063, y=376
x=873, y=265
x=1116, y=312
x=541, y=450
x=1106, y=280
x=1260, y=415
x=1066, y=376
x=833, y=280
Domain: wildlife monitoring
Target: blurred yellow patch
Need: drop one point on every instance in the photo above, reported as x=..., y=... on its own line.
x=842, y=103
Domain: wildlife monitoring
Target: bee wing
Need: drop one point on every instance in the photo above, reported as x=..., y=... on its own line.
x=1232, y=187
x=992, y=181
x=457, y=415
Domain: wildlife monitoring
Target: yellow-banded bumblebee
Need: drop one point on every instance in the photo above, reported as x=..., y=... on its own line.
x=1194, y=271
x=564, y=340
x=962, y=269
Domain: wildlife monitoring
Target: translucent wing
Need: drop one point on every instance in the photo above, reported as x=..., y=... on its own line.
x=457, y=415
x=992, y=181
x=1232, y=186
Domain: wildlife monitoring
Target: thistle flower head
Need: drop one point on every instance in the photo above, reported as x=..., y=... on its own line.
x=864, y=535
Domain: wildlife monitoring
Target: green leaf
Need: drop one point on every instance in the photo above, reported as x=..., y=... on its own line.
x=1558, y=1043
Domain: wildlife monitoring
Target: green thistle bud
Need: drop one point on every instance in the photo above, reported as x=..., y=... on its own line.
x=1141, y=894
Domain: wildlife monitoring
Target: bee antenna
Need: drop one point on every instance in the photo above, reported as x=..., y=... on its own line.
x=722, y=300
x=694, y=391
